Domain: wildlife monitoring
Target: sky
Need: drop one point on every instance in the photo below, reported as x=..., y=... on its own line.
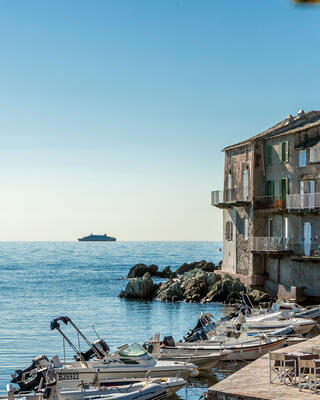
x=114, y=112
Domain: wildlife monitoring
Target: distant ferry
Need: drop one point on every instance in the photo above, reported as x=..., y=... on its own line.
x=97, y=238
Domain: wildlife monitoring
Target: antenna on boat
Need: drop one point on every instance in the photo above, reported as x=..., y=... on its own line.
x=94, y=330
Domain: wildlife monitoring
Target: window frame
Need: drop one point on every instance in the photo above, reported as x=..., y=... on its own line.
x=284, y=152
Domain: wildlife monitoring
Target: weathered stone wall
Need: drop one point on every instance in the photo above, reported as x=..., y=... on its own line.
x=229, y=246
x=292, y=273
x=236, y=162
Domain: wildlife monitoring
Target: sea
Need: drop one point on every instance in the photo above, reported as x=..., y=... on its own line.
x=40, y=281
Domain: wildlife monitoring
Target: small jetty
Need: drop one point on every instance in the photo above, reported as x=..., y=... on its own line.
x=252, y=382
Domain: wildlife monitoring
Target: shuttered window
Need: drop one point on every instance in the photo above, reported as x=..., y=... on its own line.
x=269, y=155
x=229, y=230
x=269, y=188
x=284, y=187
x=284, y=151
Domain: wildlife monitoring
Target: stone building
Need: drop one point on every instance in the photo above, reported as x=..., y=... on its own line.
x=271, y=208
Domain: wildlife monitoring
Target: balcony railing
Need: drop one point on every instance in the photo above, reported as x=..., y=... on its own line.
x=278, y=244
x=308, y=201
x=307, y=249
x=277, y=202
x=229, y=196
x=270, y=244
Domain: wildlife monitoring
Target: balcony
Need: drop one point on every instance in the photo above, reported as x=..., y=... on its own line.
x=270, y=203
x=229, y=197
x=303, y=202
x=270, y=245
x=306, y=251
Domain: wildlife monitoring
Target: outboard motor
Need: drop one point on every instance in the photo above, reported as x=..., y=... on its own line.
x=26, y=372
x=168, y=341
x=98, y=347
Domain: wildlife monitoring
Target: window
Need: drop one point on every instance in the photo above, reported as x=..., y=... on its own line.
x=269, y=188
x=302, y=158
x=283, y=187
x=229, y=190
x=269, y=155
x=229, y=229
x=284, y=152
x=246, y=229
x=245, y=185
x=285, y=228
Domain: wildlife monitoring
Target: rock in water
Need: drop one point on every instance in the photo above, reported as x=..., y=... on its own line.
x=139, y=288
x=138, y=270
x=170, y=291
x=203, y=265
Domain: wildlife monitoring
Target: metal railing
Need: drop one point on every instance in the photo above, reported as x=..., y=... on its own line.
x=217, y=197
x=228, y=196
x=308, y=249
x=270, y=244
x=265, y=202
x=307, y=201
x=279, y=244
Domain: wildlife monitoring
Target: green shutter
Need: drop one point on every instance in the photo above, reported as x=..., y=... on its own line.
x=266, y=188
x=280, y=187
x=287, y=186
x=269, y=155
x=272, y=188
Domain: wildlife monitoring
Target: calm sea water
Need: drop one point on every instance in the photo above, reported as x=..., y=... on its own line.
x=43, y=280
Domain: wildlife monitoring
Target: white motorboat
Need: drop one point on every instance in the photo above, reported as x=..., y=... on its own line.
x=168, y=351
x=279, y=310
x=242, y=348
x=207, y=337
x=297, y=310
x=260, y=322
x=128, y=362
x=148, y=390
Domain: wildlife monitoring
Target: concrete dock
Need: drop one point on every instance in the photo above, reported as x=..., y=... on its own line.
x=252, y=381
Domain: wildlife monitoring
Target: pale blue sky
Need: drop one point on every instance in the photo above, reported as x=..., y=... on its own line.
x=113, y=112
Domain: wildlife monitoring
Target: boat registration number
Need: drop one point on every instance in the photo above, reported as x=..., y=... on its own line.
x=68, y=376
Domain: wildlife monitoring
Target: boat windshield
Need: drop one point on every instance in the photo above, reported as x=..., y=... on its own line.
x=135, y=350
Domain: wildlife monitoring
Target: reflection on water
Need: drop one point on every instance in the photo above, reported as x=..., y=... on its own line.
x=41, y=281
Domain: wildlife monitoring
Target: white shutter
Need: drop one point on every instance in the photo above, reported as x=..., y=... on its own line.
x=315, y=154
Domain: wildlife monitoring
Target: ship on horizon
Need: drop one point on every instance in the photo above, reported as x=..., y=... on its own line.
x=97, y=238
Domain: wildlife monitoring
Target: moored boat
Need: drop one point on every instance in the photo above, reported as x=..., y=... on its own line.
x=145, y=390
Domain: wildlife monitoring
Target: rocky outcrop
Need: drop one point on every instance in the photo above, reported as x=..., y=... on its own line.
x=138, y=270
x=139, y=288
x=195, y=282
x=203, y=265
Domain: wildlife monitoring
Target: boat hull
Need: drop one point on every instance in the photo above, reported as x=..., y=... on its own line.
x=243, y=351
x=202, y=361
x=73, y=377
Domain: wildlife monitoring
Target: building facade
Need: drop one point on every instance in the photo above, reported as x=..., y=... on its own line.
x=271, y=208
